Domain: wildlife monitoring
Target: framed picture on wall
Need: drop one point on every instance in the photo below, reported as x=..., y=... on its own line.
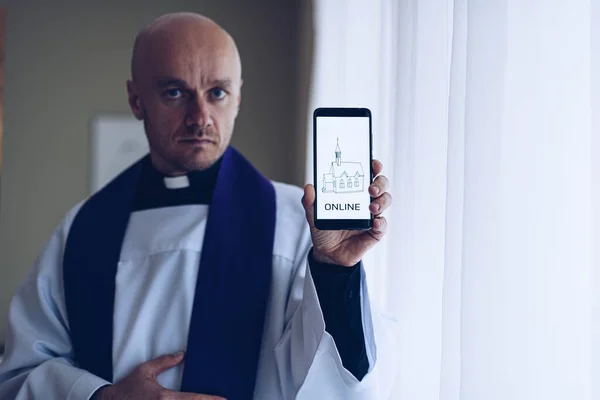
x=117, y=142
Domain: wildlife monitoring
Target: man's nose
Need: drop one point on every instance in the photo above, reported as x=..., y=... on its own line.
x=198, y=113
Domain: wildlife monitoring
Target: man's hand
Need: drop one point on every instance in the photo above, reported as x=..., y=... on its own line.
x=142, y=383
x=348, y=247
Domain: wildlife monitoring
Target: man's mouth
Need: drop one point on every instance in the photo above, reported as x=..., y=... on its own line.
x=196, y=140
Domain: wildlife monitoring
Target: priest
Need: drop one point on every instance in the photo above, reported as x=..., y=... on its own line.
x=190, y=275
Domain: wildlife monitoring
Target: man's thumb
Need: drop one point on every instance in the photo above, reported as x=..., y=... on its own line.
x=308, y=201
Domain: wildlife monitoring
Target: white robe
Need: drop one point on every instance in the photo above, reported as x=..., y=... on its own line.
x=155, y=287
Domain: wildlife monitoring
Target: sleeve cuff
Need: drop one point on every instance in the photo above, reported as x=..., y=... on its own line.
x=86, y=386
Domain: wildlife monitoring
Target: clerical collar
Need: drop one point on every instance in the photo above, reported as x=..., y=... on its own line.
x=155, y=190
x=176, y=182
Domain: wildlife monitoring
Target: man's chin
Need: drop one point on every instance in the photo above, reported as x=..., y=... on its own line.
x=202, y=161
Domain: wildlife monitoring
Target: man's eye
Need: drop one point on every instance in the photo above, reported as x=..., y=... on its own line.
x=218, y=93
x=174, y=93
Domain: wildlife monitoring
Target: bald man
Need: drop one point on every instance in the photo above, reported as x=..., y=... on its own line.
x=190, y=275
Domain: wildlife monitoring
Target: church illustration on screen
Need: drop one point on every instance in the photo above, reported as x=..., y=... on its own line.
x=343, y=176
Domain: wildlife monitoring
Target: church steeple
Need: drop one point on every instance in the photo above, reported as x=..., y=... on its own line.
x=338, y=153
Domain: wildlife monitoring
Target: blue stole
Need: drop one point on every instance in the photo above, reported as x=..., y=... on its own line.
x=232, y=289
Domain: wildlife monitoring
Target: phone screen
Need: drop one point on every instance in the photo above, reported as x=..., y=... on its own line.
x=343, y=167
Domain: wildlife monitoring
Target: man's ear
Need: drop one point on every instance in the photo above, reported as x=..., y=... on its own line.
x=239, y=98
x=134, y=101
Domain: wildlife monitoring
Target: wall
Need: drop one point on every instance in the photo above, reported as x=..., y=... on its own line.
x=66, y=64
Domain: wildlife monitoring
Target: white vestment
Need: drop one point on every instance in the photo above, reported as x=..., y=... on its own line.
x=155, y=286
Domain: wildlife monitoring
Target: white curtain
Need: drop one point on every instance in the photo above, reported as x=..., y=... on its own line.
x=486, y=116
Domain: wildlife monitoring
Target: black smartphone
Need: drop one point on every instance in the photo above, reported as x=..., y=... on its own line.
x=343, y=171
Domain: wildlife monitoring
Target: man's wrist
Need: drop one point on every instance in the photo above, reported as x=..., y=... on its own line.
x=321, y=258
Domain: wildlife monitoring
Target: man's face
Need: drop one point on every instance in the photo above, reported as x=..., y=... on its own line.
x=188, y=94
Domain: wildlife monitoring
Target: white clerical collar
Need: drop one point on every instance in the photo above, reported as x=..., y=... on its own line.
x=176, y=182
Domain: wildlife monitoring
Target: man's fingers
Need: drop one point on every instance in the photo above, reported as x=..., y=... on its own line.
x=193, y=396
x=379, y=227
x=377, y=167
x=173, y=395
x=158, y=365
x=379, y=186
x=308, y=201
x=380, y=204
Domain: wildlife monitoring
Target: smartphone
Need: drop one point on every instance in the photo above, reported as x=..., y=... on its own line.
x=343, y=168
